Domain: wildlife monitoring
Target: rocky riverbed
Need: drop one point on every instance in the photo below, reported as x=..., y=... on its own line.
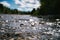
x=26, y=27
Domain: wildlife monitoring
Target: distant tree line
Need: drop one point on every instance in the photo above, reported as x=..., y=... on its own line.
x=6, y=10
x=48, y=7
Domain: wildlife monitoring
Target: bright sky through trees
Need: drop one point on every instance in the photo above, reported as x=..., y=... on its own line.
x=22, y=5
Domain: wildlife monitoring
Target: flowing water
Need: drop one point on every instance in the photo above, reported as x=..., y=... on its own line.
x=26, y=23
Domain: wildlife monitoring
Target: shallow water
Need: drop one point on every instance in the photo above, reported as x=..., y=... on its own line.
x=11, y=23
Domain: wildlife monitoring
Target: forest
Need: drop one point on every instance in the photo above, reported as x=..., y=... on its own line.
x=48, y=7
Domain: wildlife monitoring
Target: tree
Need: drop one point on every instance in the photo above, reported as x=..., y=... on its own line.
x=32, y=11
x=15, y=11
x=50, y=7
x=1, y=8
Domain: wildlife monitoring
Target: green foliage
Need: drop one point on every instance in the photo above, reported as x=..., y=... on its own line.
x=1, y=8
x=50, y=7
x=6, y=10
